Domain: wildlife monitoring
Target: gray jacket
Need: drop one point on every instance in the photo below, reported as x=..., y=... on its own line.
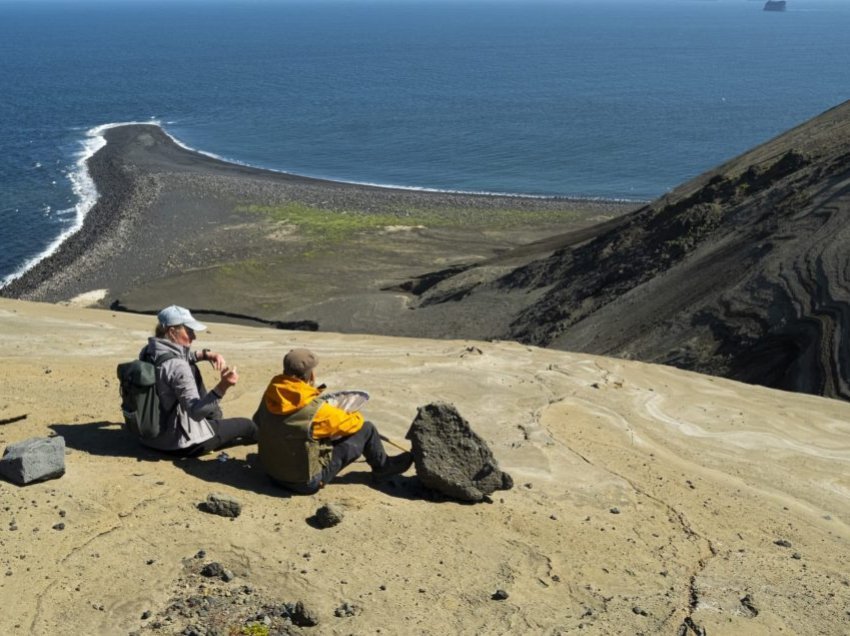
x=184, y=402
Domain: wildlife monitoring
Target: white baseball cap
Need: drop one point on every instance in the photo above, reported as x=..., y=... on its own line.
x=174, y=315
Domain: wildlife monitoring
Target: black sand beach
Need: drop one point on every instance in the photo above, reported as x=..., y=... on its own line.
x=176, y=226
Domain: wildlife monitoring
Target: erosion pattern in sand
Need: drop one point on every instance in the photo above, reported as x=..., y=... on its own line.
x=647, y=498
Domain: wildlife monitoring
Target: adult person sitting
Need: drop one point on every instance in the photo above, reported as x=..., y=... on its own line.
x=191, y=417
x=304, y=441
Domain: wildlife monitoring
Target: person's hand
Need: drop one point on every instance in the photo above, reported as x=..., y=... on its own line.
x=217, y=360
x=229, y=378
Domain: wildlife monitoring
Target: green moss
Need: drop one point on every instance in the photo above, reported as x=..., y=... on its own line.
x=255, y=629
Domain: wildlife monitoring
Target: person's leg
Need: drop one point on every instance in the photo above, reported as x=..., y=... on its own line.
x=309, y=488
x=229, y=432
x=364, y=442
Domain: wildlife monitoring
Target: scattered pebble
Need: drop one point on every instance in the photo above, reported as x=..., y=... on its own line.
x=499, y=595
x=783, y=543
x=328, y=515
x=347, y=609
x=614, y=510
x=213, y=569
x=221, y=505
x=748, y=603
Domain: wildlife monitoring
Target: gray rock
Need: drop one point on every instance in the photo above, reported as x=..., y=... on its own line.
x=450, y=458
x=34, y=459
x=328, y=515
x=222, y=505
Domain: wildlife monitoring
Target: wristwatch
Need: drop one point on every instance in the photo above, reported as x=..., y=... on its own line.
x=205, y=353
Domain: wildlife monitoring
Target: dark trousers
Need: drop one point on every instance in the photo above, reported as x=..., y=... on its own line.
x=365, y=442
x=226, y=432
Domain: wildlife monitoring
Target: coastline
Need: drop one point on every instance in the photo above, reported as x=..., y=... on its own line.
x=164, y=211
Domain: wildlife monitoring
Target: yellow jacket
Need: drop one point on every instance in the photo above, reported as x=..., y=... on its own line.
x=286, y=395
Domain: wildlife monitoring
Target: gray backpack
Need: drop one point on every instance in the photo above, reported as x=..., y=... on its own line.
x=139, y=400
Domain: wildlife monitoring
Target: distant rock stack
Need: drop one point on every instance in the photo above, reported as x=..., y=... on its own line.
x=774, y=5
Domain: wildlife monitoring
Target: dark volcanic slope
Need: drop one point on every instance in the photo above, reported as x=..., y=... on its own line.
x=742, y=272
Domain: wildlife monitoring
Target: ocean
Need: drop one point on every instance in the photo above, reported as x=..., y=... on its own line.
x=612, y=99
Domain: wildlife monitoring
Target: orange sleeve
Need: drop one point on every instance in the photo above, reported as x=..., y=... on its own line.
x=331, y=422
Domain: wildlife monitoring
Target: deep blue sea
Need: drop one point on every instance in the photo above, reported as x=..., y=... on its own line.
x=621, y=99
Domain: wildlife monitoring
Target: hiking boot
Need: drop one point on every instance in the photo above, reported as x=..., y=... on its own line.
x=393, y=466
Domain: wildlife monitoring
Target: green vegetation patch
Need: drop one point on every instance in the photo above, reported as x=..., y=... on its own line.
x=328, y=225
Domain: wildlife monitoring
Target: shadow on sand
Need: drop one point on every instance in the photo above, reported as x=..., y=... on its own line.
x=109, y=439
x=105, y=438
x=246, y=474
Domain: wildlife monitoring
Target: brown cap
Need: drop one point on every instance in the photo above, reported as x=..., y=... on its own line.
x=299, y=362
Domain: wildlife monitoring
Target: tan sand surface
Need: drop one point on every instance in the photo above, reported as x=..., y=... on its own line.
x=647, y=499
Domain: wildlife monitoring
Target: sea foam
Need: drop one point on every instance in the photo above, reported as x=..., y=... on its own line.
x=83, y=187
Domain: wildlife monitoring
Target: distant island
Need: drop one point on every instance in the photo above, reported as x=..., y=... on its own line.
x=774, y=5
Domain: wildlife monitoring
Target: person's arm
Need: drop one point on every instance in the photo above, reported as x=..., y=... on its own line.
x=213, y=357
x=180, y=378
x=331, y=422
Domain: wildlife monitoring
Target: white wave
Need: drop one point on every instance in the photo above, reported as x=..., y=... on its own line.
x=83, y=187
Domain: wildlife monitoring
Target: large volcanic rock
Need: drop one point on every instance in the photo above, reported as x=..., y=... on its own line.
x=450, y=458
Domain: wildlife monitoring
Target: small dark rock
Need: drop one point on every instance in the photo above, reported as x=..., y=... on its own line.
x=221, y=505
x=499, y=595
x=783, y=543
x=797, y=556
x=748, y=604
x=59, y=526
x=146, y=615
x=302, y=616
x=614, y=510
x=212, y=569
x=640, y=611
x=227, y=576
x=346, y=609
x=328, y=515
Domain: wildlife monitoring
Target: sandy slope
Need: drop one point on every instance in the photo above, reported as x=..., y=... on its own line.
x=645, y=496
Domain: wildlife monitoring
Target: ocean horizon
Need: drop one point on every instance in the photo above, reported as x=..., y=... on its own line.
x=607, y=100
